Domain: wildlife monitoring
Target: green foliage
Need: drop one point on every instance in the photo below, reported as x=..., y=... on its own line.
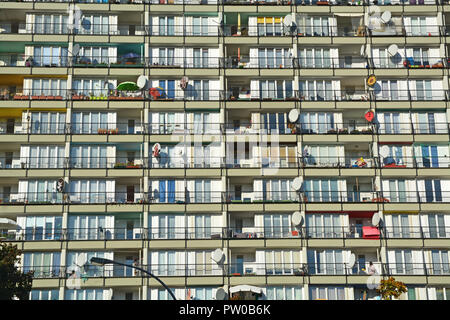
x=391, y=288
x=13, y=283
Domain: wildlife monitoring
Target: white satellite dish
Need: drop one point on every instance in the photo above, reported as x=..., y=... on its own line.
x=142, y=81
x=384, y=151
x=221, y=294
x=352, y=260
x=75, y=49
x=288, y=20
x=293, y=115
x=296, y=184
x=392, y=50
x=376, y=219
x=217, y=256
x=297, y=218
x=386, y=17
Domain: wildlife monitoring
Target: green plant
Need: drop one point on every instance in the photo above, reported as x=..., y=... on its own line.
x=13, y=283
x=391, y=288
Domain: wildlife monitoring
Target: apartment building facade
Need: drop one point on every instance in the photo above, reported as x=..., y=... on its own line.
x=232, y=147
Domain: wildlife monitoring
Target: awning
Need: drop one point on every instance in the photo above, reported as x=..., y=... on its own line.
x=6, y=223
x=245, y=288
x=371, y=233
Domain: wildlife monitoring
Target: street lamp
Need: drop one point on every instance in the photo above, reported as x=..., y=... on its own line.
x=103, y=261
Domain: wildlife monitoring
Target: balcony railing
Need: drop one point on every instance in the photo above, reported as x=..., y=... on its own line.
x=194, y=93
x=244, y=269
x=250, y=2
x=85, y=27
x=210, y=233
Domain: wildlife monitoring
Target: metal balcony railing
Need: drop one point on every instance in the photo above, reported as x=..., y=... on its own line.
x=351, y=231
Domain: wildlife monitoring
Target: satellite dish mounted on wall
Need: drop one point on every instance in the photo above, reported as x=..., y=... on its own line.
x=296, y=184
x=376, y=219
x=217, y=256
x=352, y=260
x=384, y=151
x=142, y=81
x=392, y=50
x=386, y=17
x=76, y=49
x=221, y=294
x=293, y=115
x=297, y=218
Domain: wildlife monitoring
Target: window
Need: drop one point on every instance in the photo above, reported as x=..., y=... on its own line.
x=166, y=57
x=43, y=228
x=44, y=157
x=277, y=226
x=321, y=190
x=391, y=123
x=440, y=262
x=198, y=293
x=282, y=262
x=418, y=26
x=202, y=192
x=91, y=122
x=274, y=57
x=166, y=264
x=269, y=26
x=322, y=155
x=329, y=262
x=430, y=123
x=316, y=90
x=326, y=293
x=91, y=156
x=90, y=191
x=442, y=293
x=166, y=26
x=395, y=155
x=275, y=89
x=324, y=225
x=44, y=264
x=49, y=56
x=50, y=24
x=276, y=190
x=436, y=226
x=84, y=294
x=403, y=263
x=424, y=90
x=49, y=87
x=95, y=55
x=388, y=90
x=44, y=294
x=95, y=24
x=47, y=122
x=316, y=26
x=168, y=87
x=314, y=58
x=166, y=228
x=89, y=270
x=199, y=90
x=273, y=123
x=284, y=293
x=88, y=228
x=166, y=191
x=200, y=58
x=42, y=191
x=202, y=227
x=433, y=191
x=163, y=294
x=400, y=227
x=88, y=87
x=397, y=191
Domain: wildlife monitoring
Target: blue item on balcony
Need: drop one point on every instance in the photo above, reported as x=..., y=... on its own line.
x=389, y=160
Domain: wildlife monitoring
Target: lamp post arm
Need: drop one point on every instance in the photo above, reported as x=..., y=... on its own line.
x=107, y=261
